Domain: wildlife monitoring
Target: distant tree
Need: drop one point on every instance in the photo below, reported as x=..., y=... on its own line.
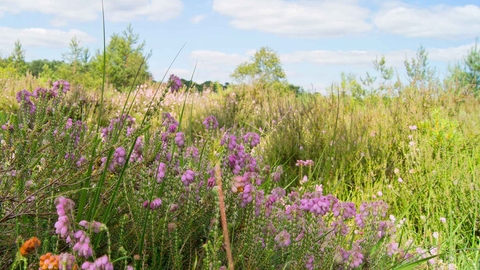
x=37, y=66
x=467, y=74
x=17, y=58
x=418, y=70
x=124, y=57
x=265, y=67
x=78, y=57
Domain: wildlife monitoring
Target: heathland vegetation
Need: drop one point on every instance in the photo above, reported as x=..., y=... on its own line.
x=130, y=173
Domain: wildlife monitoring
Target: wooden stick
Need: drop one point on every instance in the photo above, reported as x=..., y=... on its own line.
x=223, y=216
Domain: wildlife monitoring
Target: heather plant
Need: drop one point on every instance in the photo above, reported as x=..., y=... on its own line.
x=163, y=178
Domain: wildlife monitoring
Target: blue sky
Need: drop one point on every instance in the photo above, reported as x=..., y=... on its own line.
x=315, y=39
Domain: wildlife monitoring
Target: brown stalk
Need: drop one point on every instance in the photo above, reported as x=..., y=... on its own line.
x=223, y=216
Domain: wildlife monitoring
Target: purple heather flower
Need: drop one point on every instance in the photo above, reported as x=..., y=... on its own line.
x=169, y=122
x=192, y=151
x=66, y=261
x=211, y=182
x=180, y=139
x=246, y=195
x=304, y=163
x=340, y=227
x=309, y=264
x=252, y=138
x=188, y=177
x=283, y=239
x=69, y=123
x=318, y=206
x=279, y=192
x=44, y=93
x=137, y=151
x=64, y=208
x=23, y=95
x=95, y=226
x=119, y=158
x=345, y=209
x=392, y=249
x=156, y=203
x=82, y=245
x=161, y=172
x=172, y=128
x=175, y=83
x=61, y=84
x=210, y=122
x=102, y=263
x=277, y=174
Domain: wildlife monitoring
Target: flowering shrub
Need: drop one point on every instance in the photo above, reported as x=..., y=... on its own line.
x=140, y=194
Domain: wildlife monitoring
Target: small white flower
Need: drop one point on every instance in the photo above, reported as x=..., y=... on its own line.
x=443, y=220
x=400, y=180
x=380, y=194
x=435, y=235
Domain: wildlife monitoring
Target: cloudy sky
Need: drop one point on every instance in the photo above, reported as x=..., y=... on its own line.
x=315, y=39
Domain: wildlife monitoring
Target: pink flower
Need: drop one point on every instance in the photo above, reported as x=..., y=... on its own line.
x=283, y=239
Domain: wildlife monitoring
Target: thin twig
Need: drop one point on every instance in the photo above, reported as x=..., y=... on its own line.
x=223, y=216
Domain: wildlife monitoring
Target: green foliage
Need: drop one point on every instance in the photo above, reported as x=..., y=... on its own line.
x=37, y=66
x=124, y=59
x=265, y=67
x=214, y=86
x=467, y=76
x=17, y=59
x=418, y=70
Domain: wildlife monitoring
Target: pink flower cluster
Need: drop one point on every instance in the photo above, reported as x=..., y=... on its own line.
x=154, y=204
x=102, y=263
x=304, y=163
x=82, y=245
x=63, y=225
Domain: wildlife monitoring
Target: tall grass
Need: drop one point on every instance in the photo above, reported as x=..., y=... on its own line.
x=417, y=151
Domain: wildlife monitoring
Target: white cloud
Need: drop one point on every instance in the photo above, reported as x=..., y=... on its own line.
x=365, y=58
x=198, y=18
x=88, y=10
x=215, y=65
x=439, y=21
x=40, y=37
x=302, y=18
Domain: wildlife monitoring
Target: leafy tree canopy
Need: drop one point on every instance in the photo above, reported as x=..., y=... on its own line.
x=124, y=59
x=264, y=66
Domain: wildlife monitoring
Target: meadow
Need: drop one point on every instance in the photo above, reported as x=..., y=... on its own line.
x=165, y=177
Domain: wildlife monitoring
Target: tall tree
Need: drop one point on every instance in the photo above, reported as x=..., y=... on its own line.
x=17, y=58
x=265, y=66
x=467, y=74
x=77, y=57
x=124, y=58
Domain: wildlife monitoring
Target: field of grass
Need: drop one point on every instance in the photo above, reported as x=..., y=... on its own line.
x=306, y=181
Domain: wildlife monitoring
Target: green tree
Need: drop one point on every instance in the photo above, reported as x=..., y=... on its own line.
x=124, y=57
x=265, y=67
x=418, y=71
x=17, y=58
x=37, y=66
x=78, y=57
x=467, y=75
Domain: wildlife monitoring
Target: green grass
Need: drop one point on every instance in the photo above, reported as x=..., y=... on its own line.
x=363, y=150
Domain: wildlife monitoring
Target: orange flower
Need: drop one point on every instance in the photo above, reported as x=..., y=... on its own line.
x=49, y=261
x=29, y=246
